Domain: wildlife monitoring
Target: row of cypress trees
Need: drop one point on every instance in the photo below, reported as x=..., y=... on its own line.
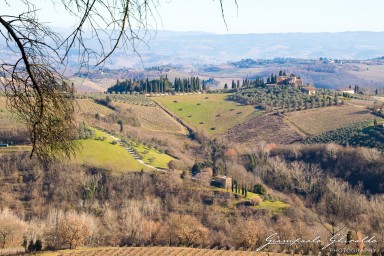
x=161, y=85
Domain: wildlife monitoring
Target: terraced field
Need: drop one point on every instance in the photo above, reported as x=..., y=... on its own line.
x=154, y=251
x=317, y=121
x=103, y=154
x=209, y=112
x=151, y=118
x=126, y=98
x=154, y=157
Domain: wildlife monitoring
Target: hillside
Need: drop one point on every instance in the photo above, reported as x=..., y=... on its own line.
x=267, y=128
x=100, y=152
x=118, y=137
x=151, y=118
x=210, y=113
x=313, y=122
x=225, y=189
x=183, y=47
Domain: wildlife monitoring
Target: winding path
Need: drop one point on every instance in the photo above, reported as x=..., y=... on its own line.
x=137, y=158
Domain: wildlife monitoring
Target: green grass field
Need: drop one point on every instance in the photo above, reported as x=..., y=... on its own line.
x=103, y=154
x=274, y=206
x=209, y=112
x=154, y=157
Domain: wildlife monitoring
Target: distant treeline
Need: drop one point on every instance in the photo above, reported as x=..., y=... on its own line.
x=161, y=85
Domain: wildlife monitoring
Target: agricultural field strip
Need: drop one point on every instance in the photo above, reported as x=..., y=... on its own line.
x=133, y=154
x=126, y=98
x=153, y=118
x=88, y=106
x=158, y=251
x=182, y=128
x=174, y=117
x=296, y=128
x=317, y=121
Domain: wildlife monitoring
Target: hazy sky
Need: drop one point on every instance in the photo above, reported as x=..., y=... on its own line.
x=263, y=16
x=253, y=16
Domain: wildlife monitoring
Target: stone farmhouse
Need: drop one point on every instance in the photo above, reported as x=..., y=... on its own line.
x=289, y=80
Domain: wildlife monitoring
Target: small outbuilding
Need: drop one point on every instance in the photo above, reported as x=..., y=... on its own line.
x=310, y=90
x=222, y=181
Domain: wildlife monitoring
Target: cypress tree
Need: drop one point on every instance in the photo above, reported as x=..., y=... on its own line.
x=38, y=245
x=120, y=122
x=25, y=244
x=31, y=246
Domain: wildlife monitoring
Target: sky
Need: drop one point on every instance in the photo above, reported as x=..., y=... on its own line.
x=251, y=16
x=274, y=16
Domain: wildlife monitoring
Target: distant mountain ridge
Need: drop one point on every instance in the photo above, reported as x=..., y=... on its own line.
x=195, y=47
x=206, y=48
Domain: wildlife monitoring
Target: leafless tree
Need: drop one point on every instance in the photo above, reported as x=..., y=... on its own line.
x=67, y=230
x=11, y=228
x=249, y=233
x=305, y=176
x=376, y=220
x=34, y=83
x=340, y=207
